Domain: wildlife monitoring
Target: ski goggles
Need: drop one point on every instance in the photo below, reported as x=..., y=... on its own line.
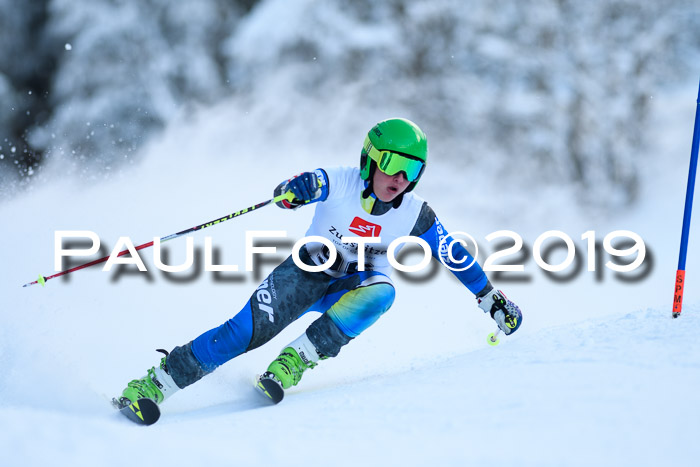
x=392, y=163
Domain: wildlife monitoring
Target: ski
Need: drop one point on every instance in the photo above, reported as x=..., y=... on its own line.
x=142, y=411
x=270, y=388
x=146, y=412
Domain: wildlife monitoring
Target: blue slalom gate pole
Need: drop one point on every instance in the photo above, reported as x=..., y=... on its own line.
x=680, y=273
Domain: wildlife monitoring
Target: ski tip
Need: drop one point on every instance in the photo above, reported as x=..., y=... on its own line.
x=142, y=412
x=675, y=315
x=271, y=389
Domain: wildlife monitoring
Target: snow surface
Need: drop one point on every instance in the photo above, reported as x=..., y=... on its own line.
x=598, y=374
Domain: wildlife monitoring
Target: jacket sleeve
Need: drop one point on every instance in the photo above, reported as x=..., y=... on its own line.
x=429, y=228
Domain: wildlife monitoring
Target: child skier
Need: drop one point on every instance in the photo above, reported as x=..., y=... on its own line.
x=376, y=200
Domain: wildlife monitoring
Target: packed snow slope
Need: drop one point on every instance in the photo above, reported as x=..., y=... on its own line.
x=614, y=391
x=598, y=373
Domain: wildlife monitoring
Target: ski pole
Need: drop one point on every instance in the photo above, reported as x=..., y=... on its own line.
x=680, y=273
x=289, y=196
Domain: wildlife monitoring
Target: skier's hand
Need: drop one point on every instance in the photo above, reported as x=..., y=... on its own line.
x=506, y=313
x=305, y=188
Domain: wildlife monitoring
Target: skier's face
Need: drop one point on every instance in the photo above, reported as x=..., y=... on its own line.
x=388, y=187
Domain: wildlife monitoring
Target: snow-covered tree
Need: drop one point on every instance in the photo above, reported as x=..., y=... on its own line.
x=126, y=68
x=559, y=89
x=26, y=67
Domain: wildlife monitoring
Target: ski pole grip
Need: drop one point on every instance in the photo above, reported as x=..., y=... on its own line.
x=678, y=293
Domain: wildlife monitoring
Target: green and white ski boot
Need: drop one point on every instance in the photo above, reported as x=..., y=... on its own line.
x=139, y=400
x=286, y=370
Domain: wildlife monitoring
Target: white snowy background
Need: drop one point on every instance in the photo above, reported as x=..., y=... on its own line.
x=598, y=374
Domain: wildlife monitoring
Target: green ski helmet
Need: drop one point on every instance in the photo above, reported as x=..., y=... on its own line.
x=395, y=145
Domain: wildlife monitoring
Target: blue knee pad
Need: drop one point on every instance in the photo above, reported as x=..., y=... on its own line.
x=359, y=308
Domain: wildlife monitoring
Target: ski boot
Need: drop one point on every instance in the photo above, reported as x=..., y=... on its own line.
x=286, y=370
x=157, y=385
